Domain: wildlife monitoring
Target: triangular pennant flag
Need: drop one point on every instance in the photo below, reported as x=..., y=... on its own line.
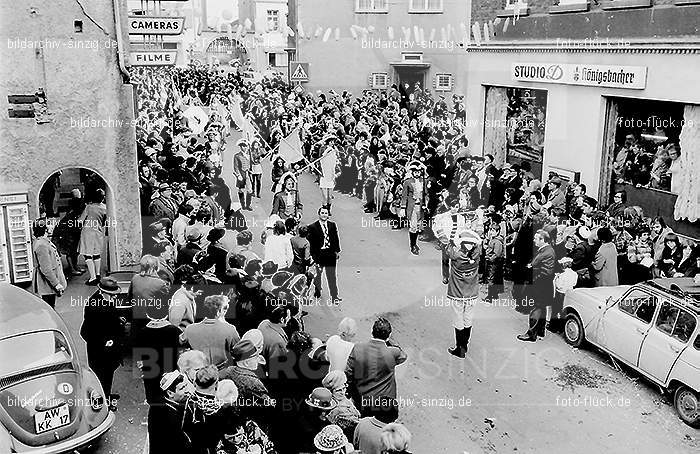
x=371, y=29
x=327, y=34
x=319, y=30
x=337, y=33
x=406, y=33
x=390, y=32
x=505, y=25
x=416, y=33
x=353, y=32
x=300, y=30
x=443, y=34
x=422, y=35
x=290, y=147
x=432, y=35
x=248, y=24
x=290, y=32
x=476, y=31
x=449, y=32
x=492, y=32
x=487, y=36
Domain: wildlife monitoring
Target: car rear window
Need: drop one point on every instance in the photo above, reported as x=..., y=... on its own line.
x=676, y=322
x=32, y=351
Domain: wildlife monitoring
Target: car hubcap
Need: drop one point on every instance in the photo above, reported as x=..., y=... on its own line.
x=688, y=405
x=572, y=331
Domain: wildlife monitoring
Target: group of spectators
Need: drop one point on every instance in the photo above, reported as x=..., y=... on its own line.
x=217, y=331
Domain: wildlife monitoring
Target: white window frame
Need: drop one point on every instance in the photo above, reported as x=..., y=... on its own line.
x=412, y=54
x=512, y=4
x=414, y=6
x=273, y=20
x=375, y=6
x=373, y=80
x=450, y=82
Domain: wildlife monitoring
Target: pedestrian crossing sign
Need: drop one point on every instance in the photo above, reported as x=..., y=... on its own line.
x=299, y=72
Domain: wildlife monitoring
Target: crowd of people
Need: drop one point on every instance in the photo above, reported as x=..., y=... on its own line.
x=218, y=331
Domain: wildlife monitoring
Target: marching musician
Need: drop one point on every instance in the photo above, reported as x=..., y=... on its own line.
x=286, y=203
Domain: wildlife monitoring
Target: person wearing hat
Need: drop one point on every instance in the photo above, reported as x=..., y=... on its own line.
x=165, y=418
x=186, y=254
x=286, y=203
x=582, y=255
x=463, y=287
x=413, y=203
x=563, y=282
x=300, y=432
x=345, y=414
x=241, y=170
x=556, y=197
x=328, y=162
x=243, y=242
x=253, y=394
x=216, y=255
x=163, y=206
x=494, y=255
x=331, y=439
x=103, y=333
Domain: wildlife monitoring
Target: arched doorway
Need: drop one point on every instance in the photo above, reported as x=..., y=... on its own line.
x=226, y=49
x=61, y=200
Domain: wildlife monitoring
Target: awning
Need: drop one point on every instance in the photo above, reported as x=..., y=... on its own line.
x=403, y=64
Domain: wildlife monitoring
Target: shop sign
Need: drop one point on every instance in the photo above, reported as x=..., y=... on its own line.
x=14, y=198
x=152, y=58
x=144, y=25
x=611, y=76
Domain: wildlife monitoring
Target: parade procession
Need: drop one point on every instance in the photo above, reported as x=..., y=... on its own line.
x=350, y=226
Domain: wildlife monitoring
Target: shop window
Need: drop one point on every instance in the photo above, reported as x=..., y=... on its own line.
x=371, y=6
x=426, y=6
x=272, y=59
x=525, y=127
x=646, y=143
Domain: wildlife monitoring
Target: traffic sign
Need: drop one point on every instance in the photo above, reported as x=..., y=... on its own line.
x=149, y=25
x=299, y=72
x=153, y=58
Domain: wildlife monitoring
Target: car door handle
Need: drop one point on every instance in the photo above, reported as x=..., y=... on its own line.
x=640, y=330
x=673, y=348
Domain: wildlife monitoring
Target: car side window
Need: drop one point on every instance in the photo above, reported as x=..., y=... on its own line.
x=696, y=344
x=639, y=304
x=667, y=317
x=685, y=325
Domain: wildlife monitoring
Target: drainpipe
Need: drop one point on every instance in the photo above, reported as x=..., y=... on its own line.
x=120, y=42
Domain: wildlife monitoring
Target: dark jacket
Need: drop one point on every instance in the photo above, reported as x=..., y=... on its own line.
x=370, y=372
x=101, y=323
x=315, y=237
x=543, y=276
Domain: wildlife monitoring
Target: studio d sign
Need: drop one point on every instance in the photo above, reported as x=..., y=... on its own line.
x=611, y=76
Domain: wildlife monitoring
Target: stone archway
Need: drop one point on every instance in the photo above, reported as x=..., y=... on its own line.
x=225, y=49
x=86, y=180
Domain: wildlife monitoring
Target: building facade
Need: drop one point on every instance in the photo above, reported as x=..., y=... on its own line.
x=72, y=64
x=372, y=44
x=266, y=36
x=563, y=86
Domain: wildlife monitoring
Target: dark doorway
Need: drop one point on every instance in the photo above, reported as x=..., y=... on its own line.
x=411, y=76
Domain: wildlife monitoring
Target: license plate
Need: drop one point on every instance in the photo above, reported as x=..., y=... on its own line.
x=51, y=419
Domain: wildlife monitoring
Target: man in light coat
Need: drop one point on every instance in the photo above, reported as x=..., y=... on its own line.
x=604, y=266
x=49, y=280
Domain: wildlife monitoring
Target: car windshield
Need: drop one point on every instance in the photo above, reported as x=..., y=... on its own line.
x=33, y=350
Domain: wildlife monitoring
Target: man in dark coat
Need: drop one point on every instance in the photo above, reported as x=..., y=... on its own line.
x=325, y=251
x=103, y=333
x=370, y=372
x=542, y=266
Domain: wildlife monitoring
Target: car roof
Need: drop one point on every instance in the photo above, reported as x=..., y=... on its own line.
x=21, y=312
x=684, y=288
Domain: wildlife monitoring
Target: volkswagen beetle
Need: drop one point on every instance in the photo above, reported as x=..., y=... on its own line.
x=49, y=401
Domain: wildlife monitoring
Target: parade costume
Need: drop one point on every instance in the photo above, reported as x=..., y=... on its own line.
x=413, y=203
x=463, y=287
x=329, y=161
x=241, y=170
x=286, y=203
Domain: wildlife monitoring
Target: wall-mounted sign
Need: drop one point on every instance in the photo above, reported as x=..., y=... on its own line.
x=146, y=25
x=612, y=76
x=153, y=57
x=13, y=198
x=299, y=72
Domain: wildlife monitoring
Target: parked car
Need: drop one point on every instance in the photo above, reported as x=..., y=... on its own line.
x=49, y=401
x=652, y=327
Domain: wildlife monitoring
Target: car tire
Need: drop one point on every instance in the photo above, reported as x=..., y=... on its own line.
x=574, y=334
x=687, y=404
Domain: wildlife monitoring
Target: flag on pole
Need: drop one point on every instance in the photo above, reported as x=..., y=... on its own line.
x=290, y=147
x=328, y=163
